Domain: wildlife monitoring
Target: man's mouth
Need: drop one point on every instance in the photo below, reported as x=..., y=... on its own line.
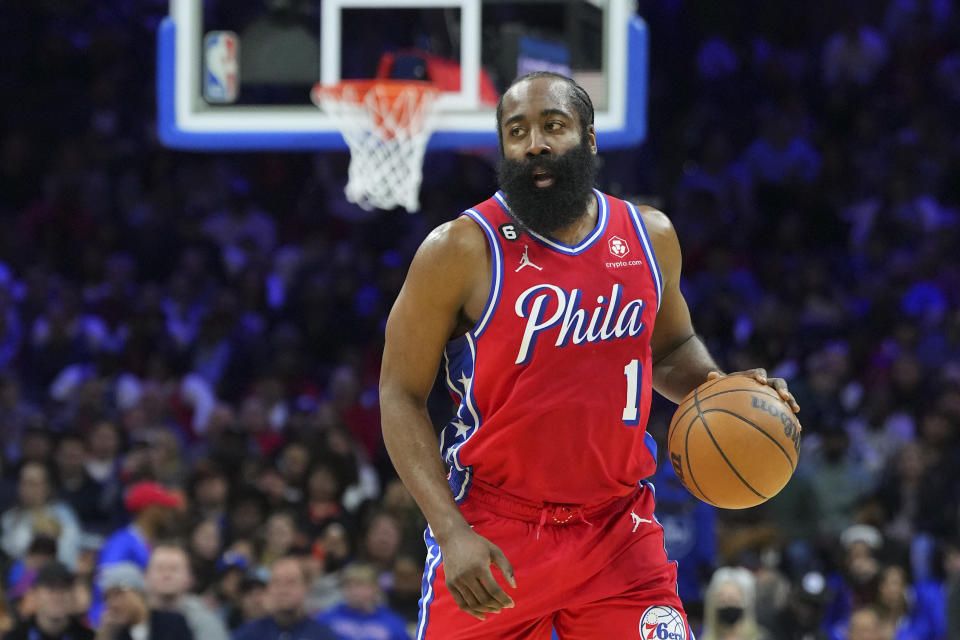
x=542, y=178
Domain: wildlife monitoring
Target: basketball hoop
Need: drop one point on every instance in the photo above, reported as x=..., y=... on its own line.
x=386, y=124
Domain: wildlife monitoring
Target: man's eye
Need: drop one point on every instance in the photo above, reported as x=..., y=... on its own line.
x=554, y=126
x=516, y=131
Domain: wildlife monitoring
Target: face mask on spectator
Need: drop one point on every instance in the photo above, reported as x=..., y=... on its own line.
x=729, y=616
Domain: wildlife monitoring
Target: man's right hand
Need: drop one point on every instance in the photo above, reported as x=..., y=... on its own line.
x=467, y=557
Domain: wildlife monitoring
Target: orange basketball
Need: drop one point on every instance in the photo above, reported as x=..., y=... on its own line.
x=733, y=442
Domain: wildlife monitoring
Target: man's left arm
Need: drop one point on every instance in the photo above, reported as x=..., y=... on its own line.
x=681, y=361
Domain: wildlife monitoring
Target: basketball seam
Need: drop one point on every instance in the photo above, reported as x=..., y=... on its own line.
x=722, y=454
x=704, y=388
x=793, y=465
x=720, y=393
x=686, y=452
x=709, y=385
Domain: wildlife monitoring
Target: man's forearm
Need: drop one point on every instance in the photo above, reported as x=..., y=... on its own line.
x=686, y=366
x=412, y=445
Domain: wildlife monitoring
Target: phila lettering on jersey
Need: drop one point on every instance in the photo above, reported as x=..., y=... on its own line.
x=553, y=382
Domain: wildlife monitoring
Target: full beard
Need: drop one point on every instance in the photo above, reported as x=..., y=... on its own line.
x=544, y=210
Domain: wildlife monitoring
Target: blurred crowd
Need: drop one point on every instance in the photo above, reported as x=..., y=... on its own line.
x=189, y=343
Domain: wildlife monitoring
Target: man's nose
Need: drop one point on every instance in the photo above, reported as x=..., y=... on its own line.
x=537, y=144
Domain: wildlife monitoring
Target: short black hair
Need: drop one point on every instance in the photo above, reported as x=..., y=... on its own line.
x=578, y=96
x=54, y=575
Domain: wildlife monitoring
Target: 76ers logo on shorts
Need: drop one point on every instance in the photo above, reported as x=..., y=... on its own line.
x=618, y=246
x=662, y=623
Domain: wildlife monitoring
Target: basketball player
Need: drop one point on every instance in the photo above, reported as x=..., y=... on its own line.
x=556, y=310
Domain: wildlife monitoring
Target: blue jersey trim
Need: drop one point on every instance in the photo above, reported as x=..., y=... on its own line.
x=459, y=372
x=493, y=298
x=427, y=593
x=651, y=445
x=603, y=216
x=641, y=230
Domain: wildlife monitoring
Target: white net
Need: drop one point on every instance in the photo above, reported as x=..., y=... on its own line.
x=386, y=124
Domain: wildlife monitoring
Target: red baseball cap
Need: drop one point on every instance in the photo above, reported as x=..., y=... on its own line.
x=146, y=494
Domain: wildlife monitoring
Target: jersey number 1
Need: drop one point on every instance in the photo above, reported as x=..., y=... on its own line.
x=631, y=412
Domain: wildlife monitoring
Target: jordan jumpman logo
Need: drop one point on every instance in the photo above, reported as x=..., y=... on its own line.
x=637, y=520
x=525, y=261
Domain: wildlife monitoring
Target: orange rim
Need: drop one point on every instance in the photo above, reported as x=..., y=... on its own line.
x=390, y=89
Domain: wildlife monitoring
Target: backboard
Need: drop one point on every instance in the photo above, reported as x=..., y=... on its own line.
x=236, y=74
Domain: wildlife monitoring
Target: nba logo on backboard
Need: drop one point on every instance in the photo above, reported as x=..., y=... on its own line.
x=618, y=246
x=662, y=623
x=221, y=64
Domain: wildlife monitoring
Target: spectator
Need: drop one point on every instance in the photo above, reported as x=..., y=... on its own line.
x=323, y=496
x=864, y=625
x=286, y=596
x=231, y=576
x=253, y=601
x=839, y=482
x=168, y=582
x=37, y=511
x=951, y=567
x=127, y=615
x=103, y=461
x=335, y=541
x=23, y=571
x=398, y=502
x=364, y=481
x=8, y=489
x=36, y=445
x=293, y=463
x=406, y=590
x=909, y=614
x=852, y=57
x=7, y=620
x=728, y=610
x=11, y=337
x=165, y=459
x=205, y=546
x=155, y=517
x=856, y=586
x=357, y=409
x=381, y=542
x=248, y=510
x=240, y=220
x=16, y=413
x=324, y=592
x=210, y=491
x=782, y=154
x=280, y=536
x=900, y=493
x=96, y=504
x=801, y=617
x=362, y=616
x=54, y=604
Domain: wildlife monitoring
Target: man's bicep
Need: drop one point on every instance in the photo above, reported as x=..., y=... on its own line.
x=417, y=330
x=674, y=325
x=425, y=314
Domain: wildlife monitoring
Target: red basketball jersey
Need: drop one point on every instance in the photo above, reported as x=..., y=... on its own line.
x=554, y=380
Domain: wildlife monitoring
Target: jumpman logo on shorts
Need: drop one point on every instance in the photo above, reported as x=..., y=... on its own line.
x=526, y=262
x=637, y=520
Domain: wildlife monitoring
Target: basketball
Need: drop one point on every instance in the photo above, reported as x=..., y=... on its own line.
x=733, y=442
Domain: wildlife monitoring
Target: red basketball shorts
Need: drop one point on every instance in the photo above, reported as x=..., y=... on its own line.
x=601, y=576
